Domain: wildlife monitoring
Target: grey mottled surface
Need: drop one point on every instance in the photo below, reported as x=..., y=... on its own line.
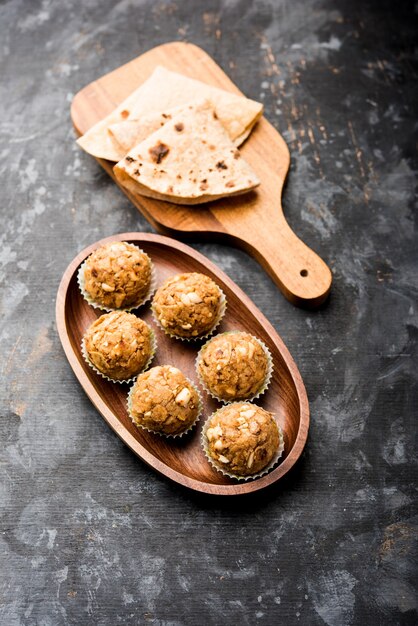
x=89, y=535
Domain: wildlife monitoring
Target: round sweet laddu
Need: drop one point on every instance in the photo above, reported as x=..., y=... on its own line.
x=164, y=401
x=242, y=439
x=188, y=305
x=233, y=366
x=119, y=345
x=118, y=275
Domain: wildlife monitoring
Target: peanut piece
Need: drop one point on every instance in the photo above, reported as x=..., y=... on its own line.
x=248, y=413
x=116, y=247
x=194, y=298
x=254, y=427
x=107, y=287
x=217, y=431
x=185, y=299
x=183, y=397
x=190, y=298
x=242, y=350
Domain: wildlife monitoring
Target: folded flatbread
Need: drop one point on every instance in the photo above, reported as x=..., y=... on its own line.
x=189, y=160
x=129, y=133
x=165, y=90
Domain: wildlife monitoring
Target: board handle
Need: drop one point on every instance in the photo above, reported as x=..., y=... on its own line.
x=302, y=276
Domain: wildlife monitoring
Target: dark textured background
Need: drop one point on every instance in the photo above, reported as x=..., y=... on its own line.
x=89, y=534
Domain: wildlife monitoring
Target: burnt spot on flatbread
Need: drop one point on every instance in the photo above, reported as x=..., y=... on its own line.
x=203, y=140
x=124, y=114
x=236, y=154
x=212, y=147
x=204, y=185
x=221, y=165
x=178, y=176
x=170, y=189
x=137, y=173
x=129, y=159
x=230, y=183
x=159, y=152
x=215, y=117
x=179, y=127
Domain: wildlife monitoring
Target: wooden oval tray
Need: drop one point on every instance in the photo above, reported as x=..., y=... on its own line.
x=253, y=221
x=183, y=460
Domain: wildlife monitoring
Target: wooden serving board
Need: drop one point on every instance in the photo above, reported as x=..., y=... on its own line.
x=183, y=460
x=253, y=221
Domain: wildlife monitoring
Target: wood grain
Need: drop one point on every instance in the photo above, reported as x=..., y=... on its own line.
x=254, y=221
x=183, y=460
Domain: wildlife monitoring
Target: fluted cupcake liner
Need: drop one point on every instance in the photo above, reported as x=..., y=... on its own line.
x=218, y=319
x=266, y=381
x=127, y=380
x=221, y=468
x=155, y=432
x=98, y=305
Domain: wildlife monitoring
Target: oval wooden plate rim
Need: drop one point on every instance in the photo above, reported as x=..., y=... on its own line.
x=111, y=419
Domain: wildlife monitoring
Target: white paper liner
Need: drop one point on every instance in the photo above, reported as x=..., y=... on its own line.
x=98, y=305
x=168, y=436
x=267, y=379
x=265, y=470
x=127, y=380
x=221, y=313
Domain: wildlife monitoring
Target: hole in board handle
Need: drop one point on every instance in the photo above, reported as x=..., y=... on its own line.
x=304, y=273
